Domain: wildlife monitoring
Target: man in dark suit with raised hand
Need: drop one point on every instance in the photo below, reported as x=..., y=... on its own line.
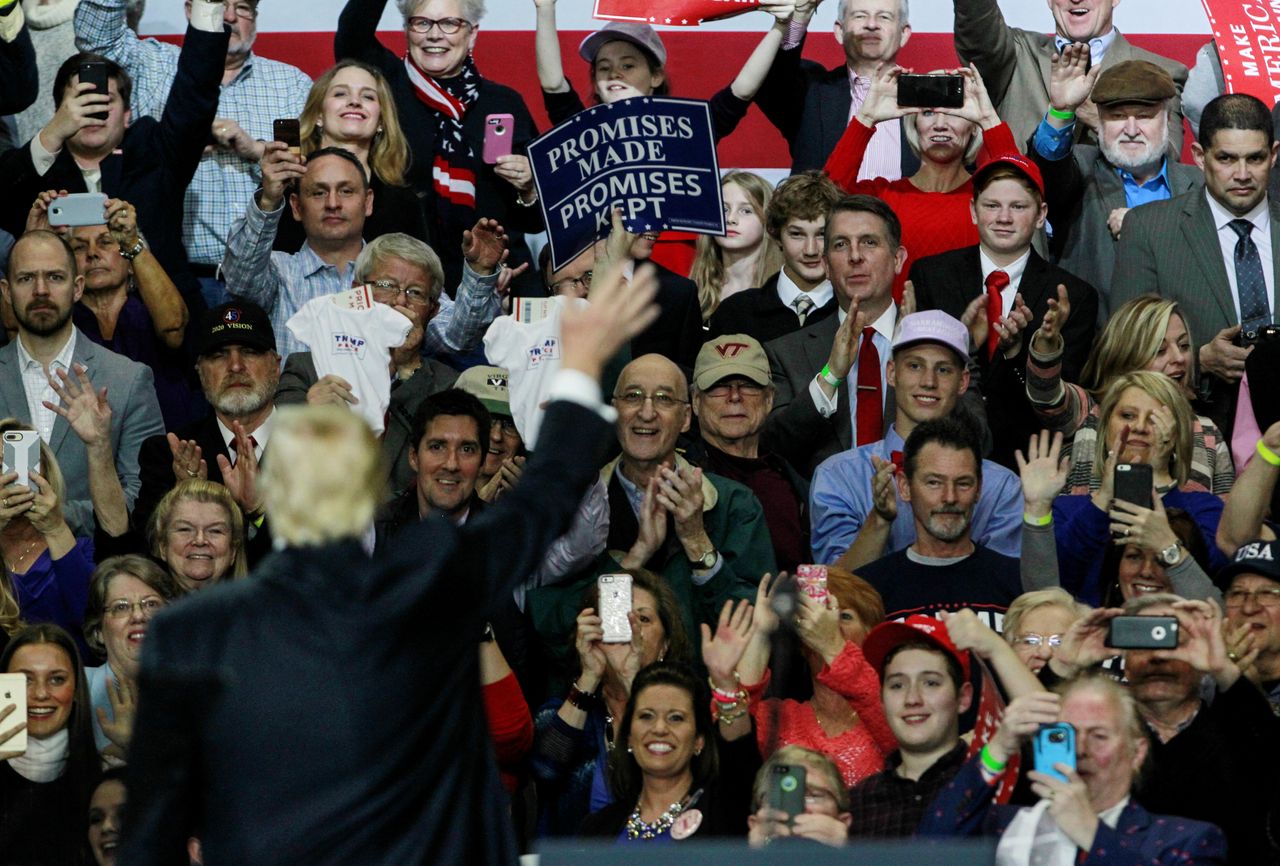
x=1213, y=250
x=238, y=734
x=1019, y=288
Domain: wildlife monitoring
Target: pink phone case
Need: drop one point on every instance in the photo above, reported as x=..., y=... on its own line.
x=812, y=581
x=498, y=130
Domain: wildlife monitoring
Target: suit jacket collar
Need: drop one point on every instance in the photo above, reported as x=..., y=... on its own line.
x=1200, y=234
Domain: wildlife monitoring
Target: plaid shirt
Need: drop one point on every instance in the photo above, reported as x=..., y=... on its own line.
x=262, y=91
x=887, y=805
x=281, y=283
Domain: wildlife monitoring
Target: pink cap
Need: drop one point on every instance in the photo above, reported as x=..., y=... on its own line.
x=933, y=326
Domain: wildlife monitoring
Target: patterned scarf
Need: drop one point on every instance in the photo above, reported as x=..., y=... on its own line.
x=454, y=170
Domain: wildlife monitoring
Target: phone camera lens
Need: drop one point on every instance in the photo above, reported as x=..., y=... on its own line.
x=1057, y=737
x=1158, y=633
x=788, y=783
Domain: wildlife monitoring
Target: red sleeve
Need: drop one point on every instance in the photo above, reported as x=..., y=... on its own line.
x=846, y=160
x=999, y=139
x=852, y=676
x=510, y=723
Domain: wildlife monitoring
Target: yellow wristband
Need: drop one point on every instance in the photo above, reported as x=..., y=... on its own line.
x=1267, y=454
x=257, y=522
x=1037, y=521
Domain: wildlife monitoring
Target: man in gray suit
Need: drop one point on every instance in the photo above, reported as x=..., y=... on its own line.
x=41, y=287
x=1213, y=251
x=1089, y=189
x=1015, y=63
x=817, y=411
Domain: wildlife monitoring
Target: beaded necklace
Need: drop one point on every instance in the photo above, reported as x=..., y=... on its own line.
x=637, y=829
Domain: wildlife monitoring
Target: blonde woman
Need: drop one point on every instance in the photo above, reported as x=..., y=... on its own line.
x=746, y=256
x=1146, y=333
x=351, y=106
x=1144, y=418
x=197, y=530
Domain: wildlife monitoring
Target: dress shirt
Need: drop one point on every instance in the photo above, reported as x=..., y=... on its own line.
x=43, y=160
x=1260, y=216
x=261, y=91
x=1098, y=45
x=261, y=434
x=35, y=382
x=459, y=326
x=278, y=282
x=883, y=157
x=883, y=341
x=788, y=291
x=1155, y=189
x=840, y=500
x=1015, y=271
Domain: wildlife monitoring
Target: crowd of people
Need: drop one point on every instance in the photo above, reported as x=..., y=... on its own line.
x=320, y=479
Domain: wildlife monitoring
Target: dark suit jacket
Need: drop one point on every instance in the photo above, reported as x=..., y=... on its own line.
x=328, y=709
x=760, y=313
x=1082, y=190
x=950, y=281
x=19, y=73
x=810, y=107
x=155, y=465
x=964, y=808
x=677, y=332
x=300, y=374
x=153, y=168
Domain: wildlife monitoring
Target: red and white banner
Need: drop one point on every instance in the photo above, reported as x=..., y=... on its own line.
x=1247, y=34
x=674, y=13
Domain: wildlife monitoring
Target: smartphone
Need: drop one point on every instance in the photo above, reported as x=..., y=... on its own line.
x=1143, y=632
x=1055, y=744
x=1133, y=483
x=13, y=690
x=615, y=604
x=812, y=581
x=497, y=136
x=79, y=209
x=786, y=789
x=930, y=91
x=286, y=130
x=22, y=454
x=95, y=72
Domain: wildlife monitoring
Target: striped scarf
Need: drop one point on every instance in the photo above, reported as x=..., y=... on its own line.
x=454, y=170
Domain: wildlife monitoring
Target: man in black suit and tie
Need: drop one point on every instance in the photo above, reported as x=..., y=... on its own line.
x=1213, y=251
x=829, y=382
x=811, y=106
x=800, y=294
x=239, y=370
x=328, y=709
x=1019, y=287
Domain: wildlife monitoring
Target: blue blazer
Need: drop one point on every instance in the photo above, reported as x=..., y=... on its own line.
x=965, y=808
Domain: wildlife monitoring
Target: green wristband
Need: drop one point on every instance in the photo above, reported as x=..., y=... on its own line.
x=1037, y=521
x=991, y=763
x=1062, y=115
x=830, y=378
x=1267, y=454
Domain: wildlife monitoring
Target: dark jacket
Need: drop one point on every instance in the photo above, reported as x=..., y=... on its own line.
x=760, y=313
x=19, y=73
x=328, y=710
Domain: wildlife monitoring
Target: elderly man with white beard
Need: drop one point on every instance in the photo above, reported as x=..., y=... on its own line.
x=1089, y=189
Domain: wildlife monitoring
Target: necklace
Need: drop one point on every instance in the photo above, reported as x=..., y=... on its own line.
x=851, y=719
x=17, y=561
x=637, y=829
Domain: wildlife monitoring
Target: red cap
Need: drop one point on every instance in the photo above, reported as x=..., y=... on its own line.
x=1018, y=161
x=917, y=627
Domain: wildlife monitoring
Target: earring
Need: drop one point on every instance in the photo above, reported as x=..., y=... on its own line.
x=319, y=124
x=630, y=750
x=379, y=132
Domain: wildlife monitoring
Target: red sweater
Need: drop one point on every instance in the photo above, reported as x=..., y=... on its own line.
x=511, y=727
x=932, y=222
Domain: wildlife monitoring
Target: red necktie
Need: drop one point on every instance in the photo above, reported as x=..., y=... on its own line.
x=253, y=443
x=898, y=463
x=870, y=410
x=996, y=282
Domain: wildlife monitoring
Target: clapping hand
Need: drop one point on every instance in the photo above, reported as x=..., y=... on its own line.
x=1044, y=340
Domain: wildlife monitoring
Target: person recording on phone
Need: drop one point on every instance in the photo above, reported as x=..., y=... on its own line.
x=329, y=193
x=825, y=798
x=95, y=142
x=255, y=90
x=1088, y=809
x=1199, y=749
x=1145, y=429
x=425, y=760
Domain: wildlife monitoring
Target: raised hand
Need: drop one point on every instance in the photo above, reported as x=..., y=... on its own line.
x=187, y=460
x=118, y=727
x=516, y=170
x=122, y=222
x=1043, y=341
x=591, y=335
x=1146, y=527
x=1085, y=643
x=1070, y=79
x=722, y=651
x=764, y=617
x=1042, y=471
x=1022, y=718
x=626, y=659
x=279, y=167
x=81, y=106
x=86, y=411
x=45, y=513
x=230, y=136
x=882, y=98
x=15, y=499
x=38, y=216
x=484, y=246
x=241, y=478
x=970, y=633
x=818, y=626
x=591, y=655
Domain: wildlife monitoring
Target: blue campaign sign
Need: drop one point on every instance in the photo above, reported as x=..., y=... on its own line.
x=652, y=156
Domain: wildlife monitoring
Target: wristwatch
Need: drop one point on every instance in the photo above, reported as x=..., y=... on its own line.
x=706, y=561
x=1171, y=554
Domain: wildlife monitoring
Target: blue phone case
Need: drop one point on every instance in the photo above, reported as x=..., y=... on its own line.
x=1055, y=744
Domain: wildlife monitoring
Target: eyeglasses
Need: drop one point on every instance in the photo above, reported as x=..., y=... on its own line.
x=1264, y=597
x=122, y=607
x=247, y=11
x=508, y=425
x=1032, y=639
x=744, y=389
x=662, y=401
x=386, y=291
x=816, y=796
x=581, y=282
x=448, y=26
